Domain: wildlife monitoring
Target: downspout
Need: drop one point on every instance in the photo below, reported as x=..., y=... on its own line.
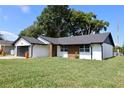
x=31, y=50
x=101, y=51
x=113, y=51
x=91, y=52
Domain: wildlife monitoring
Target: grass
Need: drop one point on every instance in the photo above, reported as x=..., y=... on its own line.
x=60, y=72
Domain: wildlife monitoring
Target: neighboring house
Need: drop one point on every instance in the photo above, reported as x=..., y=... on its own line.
x=94, y=46
x=6, y=46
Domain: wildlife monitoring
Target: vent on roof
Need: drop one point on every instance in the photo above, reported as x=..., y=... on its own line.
x=93, y=33
x=71, y=35
x=43, y=34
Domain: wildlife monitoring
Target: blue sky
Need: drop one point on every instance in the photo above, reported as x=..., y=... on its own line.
x=13, y=19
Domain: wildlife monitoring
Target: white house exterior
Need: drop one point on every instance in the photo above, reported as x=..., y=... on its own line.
x=60, y=53
x=34, y=47
x=96, y=52
x=40, y=51
x=107, y=50
x=95, y=46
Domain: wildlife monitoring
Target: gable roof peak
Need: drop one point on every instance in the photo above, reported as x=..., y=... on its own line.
x=31, y=40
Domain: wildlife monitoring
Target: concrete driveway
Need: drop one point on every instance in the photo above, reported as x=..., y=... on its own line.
x=11, y=57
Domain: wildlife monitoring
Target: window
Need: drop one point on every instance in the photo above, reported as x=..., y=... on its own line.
x=84, y=48
x=64, y=48
x=87, y=48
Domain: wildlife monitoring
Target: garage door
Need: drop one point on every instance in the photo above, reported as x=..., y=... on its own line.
x=21, y=50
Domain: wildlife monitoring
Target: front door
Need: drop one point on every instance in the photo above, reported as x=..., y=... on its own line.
x=73, y=50
x=54, y=50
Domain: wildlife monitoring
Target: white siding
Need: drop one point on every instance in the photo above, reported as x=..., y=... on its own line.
x=30, y=49
x=107, y=50
x=85, y=55
x=96, y=52
x=61, y=54
x=40, y=51
x=22, y=42
x=15, y=51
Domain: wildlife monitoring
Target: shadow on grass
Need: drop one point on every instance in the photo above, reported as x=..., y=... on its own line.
x=109, y=58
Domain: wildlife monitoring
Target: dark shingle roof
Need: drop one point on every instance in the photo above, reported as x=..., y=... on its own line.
x=50, y=39
x=6, y=42
x=84, y=39
x=30, y=40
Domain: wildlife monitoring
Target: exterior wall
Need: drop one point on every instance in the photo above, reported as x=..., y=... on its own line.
x=61, y=54
x=40, y=51
x=22, y=42
x=96, y=52
x=30, y=51
x=15, y=51
x=85, y=55
x=107, y=50
x=73, y=50
x=8, y=49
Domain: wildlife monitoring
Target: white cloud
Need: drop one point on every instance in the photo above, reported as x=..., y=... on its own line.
x=25, y=8
x=9, y=36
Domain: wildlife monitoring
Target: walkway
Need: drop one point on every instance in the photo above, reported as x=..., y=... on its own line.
x=10, y=57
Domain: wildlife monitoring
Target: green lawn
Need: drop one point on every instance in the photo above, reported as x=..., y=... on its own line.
x=60, y=72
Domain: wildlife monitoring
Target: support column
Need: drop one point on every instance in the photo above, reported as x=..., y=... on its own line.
x=30, y=49
x=50, y=50
x=15, y=53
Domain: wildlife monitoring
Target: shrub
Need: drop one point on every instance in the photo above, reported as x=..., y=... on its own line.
x=3, y=53
x=76, y=55
x=26, y=55
x=1, y=50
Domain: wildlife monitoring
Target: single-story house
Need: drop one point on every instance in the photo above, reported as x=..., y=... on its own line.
x=7, y=46
x=93, y=46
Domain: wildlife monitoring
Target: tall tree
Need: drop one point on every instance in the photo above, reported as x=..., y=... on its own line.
x=86, y=23
x=60, y=21
x=54, y=20
x=32, y=31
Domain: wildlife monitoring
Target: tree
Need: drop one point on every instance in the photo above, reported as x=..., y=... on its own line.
x=32, y=31
x=54, y=20
x=60, y=21
x=86, y=23
x=123, y=49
